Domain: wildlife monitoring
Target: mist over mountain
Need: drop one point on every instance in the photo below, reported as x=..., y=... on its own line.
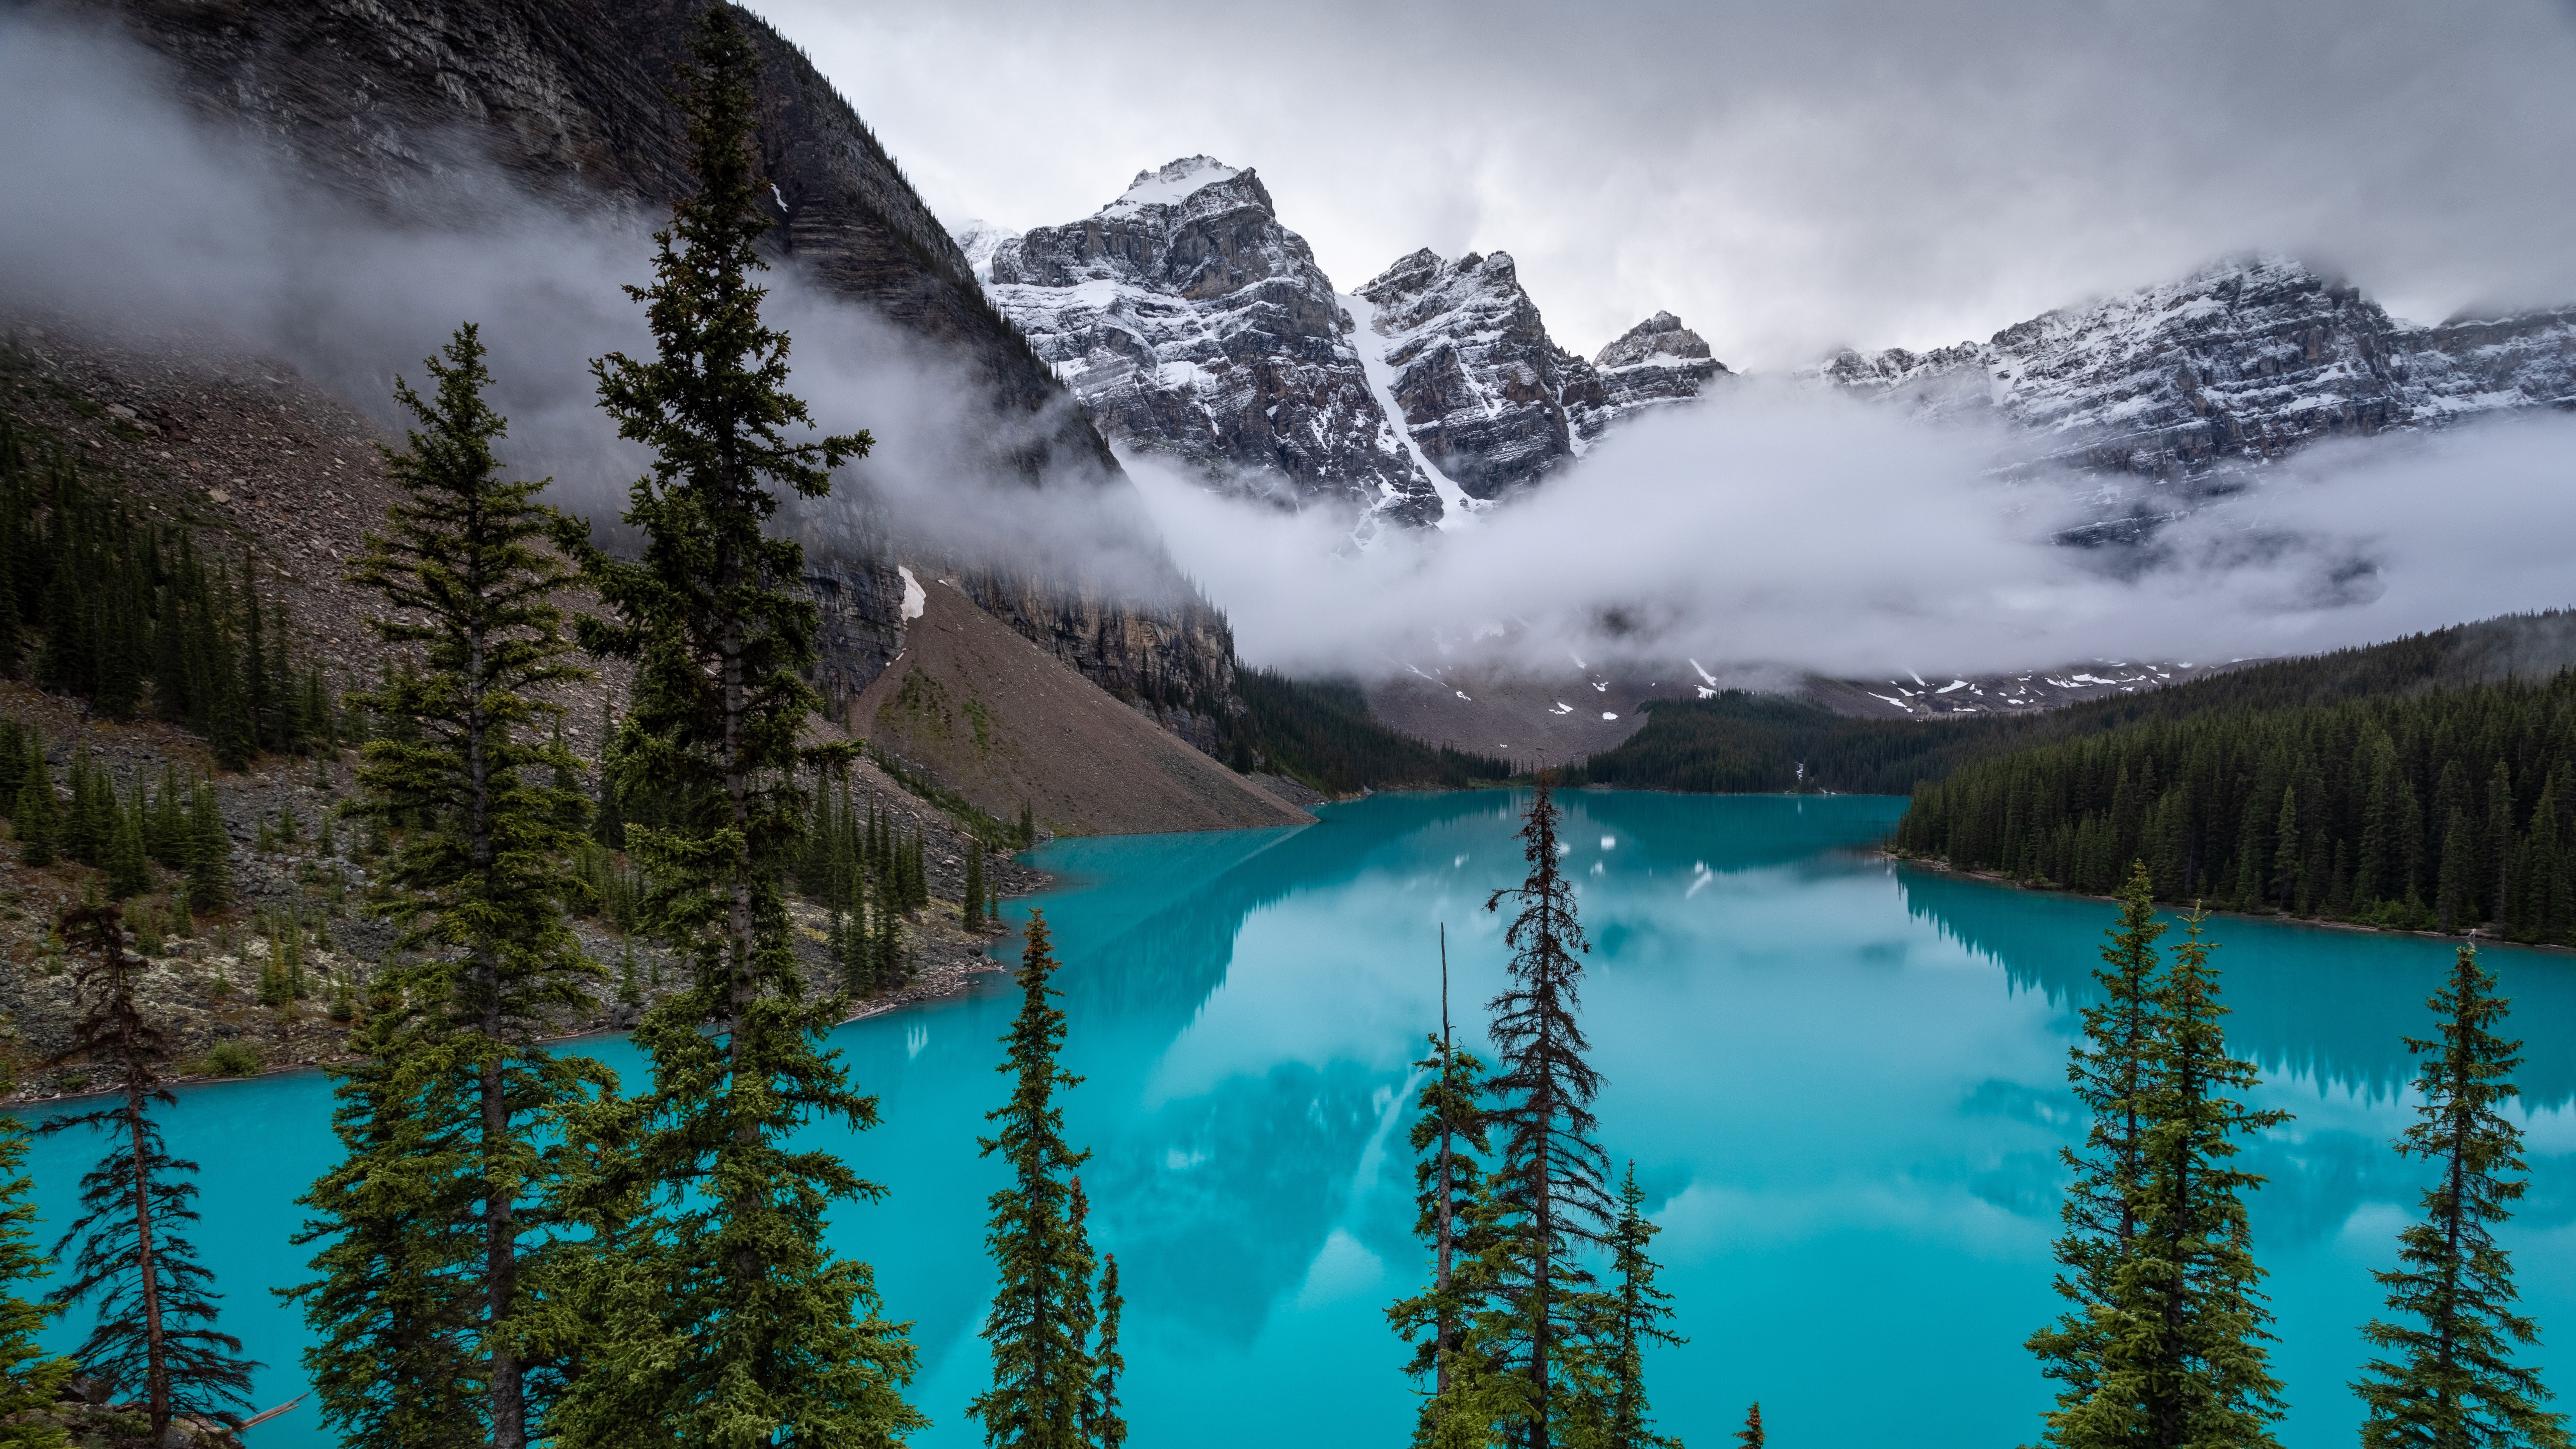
x=1409, y=474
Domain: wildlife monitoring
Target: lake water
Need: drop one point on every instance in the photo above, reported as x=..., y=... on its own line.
x=1842, y=1084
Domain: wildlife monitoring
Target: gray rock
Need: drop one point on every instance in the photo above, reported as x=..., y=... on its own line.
x=2194, y=382
x=1192, y=324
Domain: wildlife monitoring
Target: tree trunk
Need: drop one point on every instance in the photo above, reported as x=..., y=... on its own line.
x=155, y=1353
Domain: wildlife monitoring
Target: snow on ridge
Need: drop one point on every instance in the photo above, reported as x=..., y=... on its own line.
x=1173, y=183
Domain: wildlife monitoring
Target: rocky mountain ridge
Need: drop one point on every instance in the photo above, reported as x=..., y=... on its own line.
x=1191, y=323
x=1194, y=325
x=2191, y=383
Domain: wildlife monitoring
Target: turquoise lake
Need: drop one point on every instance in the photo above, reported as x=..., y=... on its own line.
x=1842, y=1083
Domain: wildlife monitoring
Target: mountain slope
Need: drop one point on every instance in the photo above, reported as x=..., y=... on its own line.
x=414, y=108
x=1006, y=725
x=2196, y=380
x=1192, y=324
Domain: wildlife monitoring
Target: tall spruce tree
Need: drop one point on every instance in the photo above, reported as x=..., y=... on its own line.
x=478, y=889
x=1045, y=1365
x=154, y=1301
x=2111, y=1068
x=1633, y=1314
x=395, y=1312
x=1552, y=1185
x=1751, y=1434
x=1451, y=1324
x=729, y=1322
x=29, y=1376
x=2182, y=1361
x=2452, y=1383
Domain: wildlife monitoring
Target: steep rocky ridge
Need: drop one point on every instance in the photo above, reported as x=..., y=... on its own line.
x=2192, y=382
x=1192, y=324
x=422, y=109
x=1482, y=390
x=1657, y=361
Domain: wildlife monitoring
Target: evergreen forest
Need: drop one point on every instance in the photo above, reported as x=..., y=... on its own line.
x=2446, y=809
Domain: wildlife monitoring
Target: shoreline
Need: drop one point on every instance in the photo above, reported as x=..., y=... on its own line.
x=2470, y=937
x=939, y=981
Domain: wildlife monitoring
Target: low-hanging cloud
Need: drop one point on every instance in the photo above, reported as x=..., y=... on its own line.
x=1774, y=526
x=134, y=219
x=1784, y=528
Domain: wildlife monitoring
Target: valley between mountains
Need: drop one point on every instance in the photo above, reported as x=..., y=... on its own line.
x=1002, y=626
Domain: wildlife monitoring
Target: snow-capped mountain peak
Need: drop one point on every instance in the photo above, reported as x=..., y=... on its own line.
x=1194, y=325
x=1170, y=184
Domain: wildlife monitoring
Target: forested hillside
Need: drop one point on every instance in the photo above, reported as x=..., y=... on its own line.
x=1322, y=734
x=2446, y=807
x=1742, y=742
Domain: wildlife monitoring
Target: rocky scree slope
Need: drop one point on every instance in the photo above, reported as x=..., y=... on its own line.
x=415, y=109
x=1193, y=324
x=2189, y=385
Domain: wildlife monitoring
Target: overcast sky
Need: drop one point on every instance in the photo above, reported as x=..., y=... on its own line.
x=1786, y=177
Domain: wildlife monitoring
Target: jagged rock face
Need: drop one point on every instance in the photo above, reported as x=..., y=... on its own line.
x=1191, y=323
x=2477, y=365
x=1486, y=395
x=2241, y=362
x=1657, y=361
x=404, y=104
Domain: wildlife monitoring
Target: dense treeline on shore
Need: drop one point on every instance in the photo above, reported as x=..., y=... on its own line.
x=1321, y=734
x=1742, y=742
x=2449, y=809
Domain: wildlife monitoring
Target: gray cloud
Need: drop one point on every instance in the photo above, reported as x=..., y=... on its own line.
x=129, y=216
x=1779, y=528
x=1786, y=177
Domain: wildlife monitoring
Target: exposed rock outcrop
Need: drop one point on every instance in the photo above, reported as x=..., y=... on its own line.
x=2192, y=381
x=1657, y=361
x=1192, y=324
x=1486, y=396
x=1481, y=389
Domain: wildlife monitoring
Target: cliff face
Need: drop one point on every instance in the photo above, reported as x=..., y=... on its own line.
x=410, y=106
x=2192, y=381
x=1192, y=324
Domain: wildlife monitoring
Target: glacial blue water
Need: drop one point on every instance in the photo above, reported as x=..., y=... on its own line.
x=1842, y=1084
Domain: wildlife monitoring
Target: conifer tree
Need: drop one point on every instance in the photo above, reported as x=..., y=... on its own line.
x=1751, y=1434
x=971, y=904
x=1102, y=1424
x=2182, y=1361
x=29, y=1377
x=468, y=582
x=129, y=871
x=2453, y=1381
x=210, y=851
x=36, y=818
x=155, y=1303
x=1043, y=1313
x=728, y=1321
x=1450, y=1324
x=1635, y=1313
x=394, y=1312
x=2112, y=1070
x=1552, y=1184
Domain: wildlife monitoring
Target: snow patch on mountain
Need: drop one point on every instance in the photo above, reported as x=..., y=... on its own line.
x=1193, y=325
